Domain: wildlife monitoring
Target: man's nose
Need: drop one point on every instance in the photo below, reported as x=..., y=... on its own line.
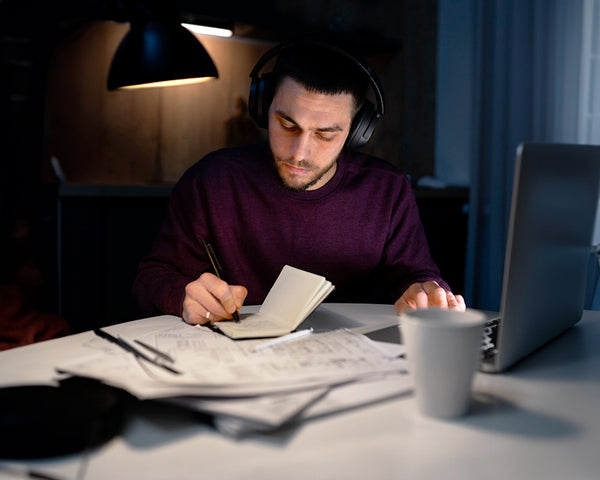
x=300, y=148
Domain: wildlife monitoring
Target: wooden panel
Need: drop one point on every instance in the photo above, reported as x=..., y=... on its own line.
x=141, y=136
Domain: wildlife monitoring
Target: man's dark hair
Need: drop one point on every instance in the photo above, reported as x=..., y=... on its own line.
x=322, y=69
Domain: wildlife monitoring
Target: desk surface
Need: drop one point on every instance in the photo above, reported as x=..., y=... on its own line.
x=539, y=420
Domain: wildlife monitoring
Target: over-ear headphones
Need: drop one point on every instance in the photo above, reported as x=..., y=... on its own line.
x=262, y=91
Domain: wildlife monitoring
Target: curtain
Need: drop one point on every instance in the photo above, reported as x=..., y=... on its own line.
x=527, y=56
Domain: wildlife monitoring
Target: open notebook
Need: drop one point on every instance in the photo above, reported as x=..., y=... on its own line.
x=292, y=298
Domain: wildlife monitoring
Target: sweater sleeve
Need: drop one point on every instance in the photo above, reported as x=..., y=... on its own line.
x=407, y=258
x=177, y=257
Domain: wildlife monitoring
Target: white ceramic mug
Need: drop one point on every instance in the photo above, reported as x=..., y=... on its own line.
x=443, y=349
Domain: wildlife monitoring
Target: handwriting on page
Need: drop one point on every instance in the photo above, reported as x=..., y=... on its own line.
x=210, y=357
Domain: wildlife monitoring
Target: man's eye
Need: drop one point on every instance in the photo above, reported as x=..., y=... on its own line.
x=325, y=137
x=288, y=126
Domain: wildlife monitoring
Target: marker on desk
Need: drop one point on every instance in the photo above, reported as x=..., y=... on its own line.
x=283, y=339
x=212, y=256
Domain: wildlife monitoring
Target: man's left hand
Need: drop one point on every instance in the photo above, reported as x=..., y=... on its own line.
x=428, y=294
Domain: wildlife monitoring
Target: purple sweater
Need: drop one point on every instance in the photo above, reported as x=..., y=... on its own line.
x=361, y=230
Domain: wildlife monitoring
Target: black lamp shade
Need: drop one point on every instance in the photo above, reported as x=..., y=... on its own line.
x=154, y=51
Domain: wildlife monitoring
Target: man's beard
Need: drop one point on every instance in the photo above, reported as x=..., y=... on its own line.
x=317, y=174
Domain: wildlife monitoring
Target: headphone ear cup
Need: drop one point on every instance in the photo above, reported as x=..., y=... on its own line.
x=259, y=100
x=253, y=99
x=363, y=125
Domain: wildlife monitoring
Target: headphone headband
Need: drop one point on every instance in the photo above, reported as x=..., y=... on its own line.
x=262, y=90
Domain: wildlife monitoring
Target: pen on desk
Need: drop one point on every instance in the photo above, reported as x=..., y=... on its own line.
x=155, y=361
x=283, y=339
x=156, y=351
x=212, y=256
x=125, y=345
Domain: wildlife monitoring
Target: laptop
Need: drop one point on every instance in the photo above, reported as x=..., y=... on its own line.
x=553, y=211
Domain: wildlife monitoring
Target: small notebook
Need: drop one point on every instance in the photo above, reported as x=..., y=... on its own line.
x=292, y=298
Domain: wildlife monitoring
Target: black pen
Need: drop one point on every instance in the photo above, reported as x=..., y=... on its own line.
x=212, y=256
x=163, y=355
x=131, y=349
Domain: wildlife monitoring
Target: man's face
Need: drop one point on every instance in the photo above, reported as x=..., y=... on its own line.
x=307, y=132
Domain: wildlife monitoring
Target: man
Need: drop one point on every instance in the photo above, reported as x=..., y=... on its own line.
x=305, y=199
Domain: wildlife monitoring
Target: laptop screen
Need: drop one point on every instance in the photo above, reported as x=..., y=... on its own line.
x=553, y=210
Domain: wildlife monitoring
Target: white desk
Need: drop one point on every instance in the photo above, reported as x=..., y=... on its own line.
x=540, y=420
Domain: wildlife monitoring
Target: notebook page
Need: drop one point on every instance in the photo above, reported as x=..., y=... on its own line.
x=293, y=296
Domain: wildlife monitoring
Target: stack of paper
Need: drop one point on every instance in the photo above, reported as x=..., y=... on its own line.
x=214, y=365
x=247, y=385
x=242, y=416
x=249, y=389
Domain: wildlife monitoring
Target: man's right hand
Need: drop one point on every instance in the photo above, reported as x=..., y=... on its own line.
x=210, y=299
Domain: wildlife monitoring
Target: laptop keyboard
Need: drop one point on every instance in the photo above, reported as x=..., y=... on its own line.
x=489, y=340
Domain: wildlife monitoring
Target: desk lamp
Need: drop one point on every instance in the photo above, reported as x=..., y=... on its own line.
x=158, y=51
